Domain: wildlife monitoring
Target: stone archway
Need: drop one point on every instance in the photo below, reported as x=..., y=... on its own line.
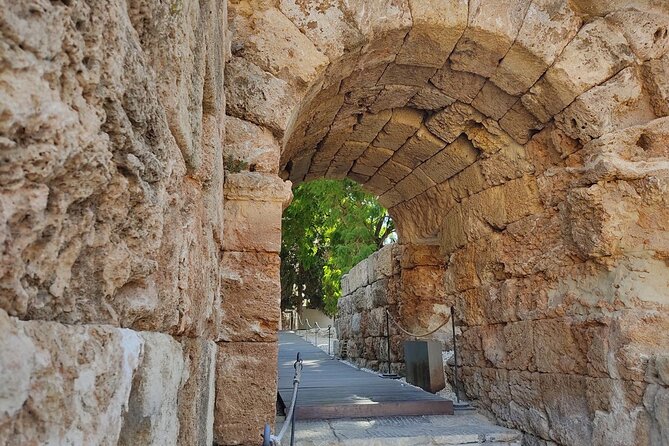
x=527, y=140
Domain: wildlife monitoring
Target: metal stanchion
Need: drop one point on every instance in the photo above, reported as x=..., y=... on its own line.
x=389, y=374
x=460, y=405
x=329, y=339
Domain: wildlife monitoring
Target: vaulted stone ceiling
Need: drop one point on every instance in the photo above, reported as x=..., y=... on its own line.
x=431, y=104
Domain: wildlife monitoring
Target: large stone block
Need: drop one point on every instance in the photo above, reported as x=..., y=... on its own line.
x=419, y=148
x=257, y=96
x=598, y=51
x=153, y=412
x=491, y=29
x=449, y=123
x=397, y=74
x=196, y=397
x=251, y=294
x=246, y=385
x=252, y=146
x=270, y=40
x=437, y=26
x=529, y=56
x=460, y=85
x=252, y=226
x=358, y=276
x=493, y=102
x=656, y=81
x=616, y=104
x=563, y=396
x=381, y=264
x=402, y=125
x=64, y=384
x=451, y=160
x=556, y=349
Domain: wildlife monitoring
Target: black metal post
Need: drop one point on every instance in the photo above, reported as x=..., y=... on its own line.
x=388, y=339
x=329, y=338
x=455, y=357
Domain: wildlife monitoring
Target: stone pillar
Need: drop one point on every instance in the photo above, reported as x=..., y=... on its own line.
x=246, y=381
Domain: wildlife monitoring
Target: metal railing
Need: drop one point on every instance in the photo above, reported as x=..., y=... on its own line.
x=275, y=440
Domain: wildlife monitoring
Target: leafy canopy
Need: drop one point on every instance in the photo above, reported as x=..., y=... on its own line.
x=330, y=226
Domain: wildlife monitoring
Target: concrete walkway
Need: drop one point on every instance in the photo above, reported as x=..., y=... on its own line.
x=333, y=389
x=463, y=428
x=459, y=429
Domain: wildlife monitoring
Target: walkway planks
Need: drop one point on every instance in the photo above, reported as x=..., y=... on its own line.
x=332, y=389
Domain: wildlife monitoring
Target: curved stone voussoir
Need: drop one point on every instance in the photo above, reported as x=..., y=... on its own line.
x=491, y=30
x=549, y=25
x=598, y=52
x=437, y=26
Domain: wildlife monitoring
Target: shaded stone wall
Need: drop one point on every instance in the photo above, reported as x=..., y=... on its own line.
x=407, y=281
x=114, y=245
x=526, y=139
x=368, y=290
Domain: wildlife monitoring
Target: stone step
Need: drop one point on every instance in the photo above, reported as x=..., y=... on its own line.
x=461, y=429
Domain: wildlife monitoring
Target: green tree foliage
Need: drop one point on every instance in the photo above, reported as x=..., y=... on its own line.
x=329, y=227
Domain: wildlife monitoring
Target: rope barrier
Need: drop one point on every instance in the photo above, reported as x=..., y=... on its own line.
x=413, y=334
x=275, y=440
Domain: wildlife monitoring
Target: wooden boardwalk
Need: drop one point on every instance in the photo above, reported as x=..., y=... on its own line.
x=332, y=389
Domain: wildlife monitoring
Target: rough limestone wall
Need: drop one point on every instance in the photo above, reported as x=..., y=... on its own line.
x=528, y=139
x=368, y=290
x=406, y=280
x=564, y=311
x=111, y=220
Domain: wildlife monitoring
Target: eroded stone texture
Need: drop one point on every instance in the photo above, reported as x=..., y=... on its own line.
x=517, y=139
x=64, y=384
x=152, y=416
x=97, y=188
x=197, y=396
x=246, y=396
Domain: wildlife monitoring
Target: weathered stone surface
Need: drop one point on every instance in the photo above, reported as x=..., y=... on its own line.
x=396, y=74
x=656, y=73
x=596, y=53
x=113, y=207
x=369, y=125
x=250, y=103
x=393, y=96
x=646, y=31
x=330, y=29
x=251, y=289
x=430, y=98
x=491, y=29
x=252, y=226
x=403, y=124
x=529, y=56
x=245, y=391
x=250, y=146
x=493, y=101
x=618, y=103
x=418, y=220
x=268, y=39
x=451, y=160
x=152, y=416
x=196, y=397
x=97, y=181
x=460, y=85
x=64, y=384
x=419, y=148
x=413, y=184
x=450, y=122
x=437, y=26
